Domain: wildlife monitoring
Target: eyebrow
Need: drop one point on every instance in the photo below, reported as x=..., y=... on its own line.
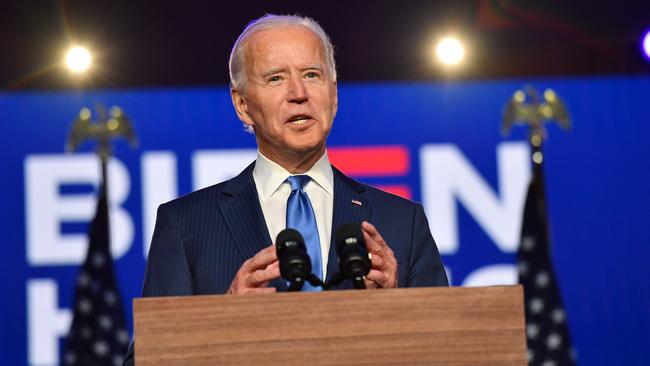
x=313, y=67
x=282, y=69
x=273, y=71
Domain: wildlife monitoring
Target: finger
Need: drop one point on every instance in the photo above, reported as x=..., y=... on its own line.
x=381, y=257
x=377, y=241
x=378, y=262
x=263, y=258
x=259, y=277
x=271, y=267
x=377, y=276
x=275, y=264
x=370, y=284
x=372, y=231
x=371, y=245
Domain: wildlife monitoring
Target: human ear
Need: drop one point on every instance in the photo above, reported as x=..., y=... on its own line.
x=241, y=107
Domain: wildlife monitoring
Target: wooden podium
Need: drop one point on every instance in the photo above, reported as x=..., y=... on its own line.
x=419, y=326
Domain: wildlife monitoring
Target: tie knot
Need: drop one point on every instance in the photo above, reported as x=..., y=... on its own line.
x=298, y=181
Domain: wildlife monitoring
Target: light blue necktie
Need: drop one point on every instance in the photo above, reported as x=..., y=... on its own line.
x=300, y=216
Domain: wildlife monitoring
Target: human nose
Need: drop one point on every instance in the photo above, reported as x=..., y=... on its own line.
x=297, y=91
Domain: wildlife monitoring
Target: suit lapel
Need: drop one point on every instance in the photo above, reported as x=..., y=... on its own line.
x=349, y=207
x=243, y=215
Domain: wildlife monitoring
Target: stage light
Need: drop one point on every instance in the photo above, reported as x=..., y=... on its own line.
x=646, y=45
x=78, y=59
x=450, y=51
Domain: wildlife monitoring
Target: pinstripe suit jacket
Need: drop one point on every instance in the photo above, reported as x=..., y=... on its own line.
x=201, y=239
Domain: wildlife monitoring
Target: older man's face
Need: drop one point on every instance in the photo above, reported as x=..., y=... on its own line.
x=290, y=98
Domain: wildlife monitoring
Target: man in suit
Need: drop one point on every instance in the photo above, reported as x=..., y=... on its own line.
x=220, y=239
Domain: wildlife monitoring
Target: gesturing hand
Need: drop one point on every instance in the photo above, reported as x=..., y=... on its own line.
x=383, y=273
x=256, y=272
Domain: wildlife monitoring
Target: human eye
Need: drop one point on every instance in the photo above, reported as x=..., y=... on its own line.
x=312, y=75
x=274, y=79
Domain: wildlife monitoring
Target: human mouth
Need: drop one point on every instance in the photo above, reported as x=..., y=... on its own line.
x=299, y=119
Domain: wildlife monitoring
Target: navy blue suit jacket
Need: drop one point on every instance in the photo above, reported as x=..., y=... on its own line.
x=201, y=239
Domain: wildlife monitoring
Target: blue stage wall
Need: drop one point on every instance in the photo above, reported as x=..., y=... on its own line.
x=441, y=144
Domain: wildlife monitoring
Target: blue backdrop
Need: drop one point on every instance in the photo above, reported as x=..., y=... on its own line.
x=441, y=145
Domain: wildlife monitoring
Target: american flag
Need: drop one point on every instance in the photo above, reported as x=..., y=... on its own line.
x=98, y=334
x=547, y=332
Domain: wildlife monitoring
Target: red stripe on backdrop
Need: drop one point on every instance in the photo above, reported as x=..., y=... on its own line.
x=370, y=161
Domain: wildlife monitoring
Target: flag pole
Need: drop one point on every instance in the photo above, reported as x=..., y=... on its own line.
x=98, y=334
x=547, y=331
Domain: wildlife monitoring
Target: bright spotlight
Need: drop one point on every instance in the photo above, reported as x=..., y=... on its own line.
x=78, y=59
x=450, y=51
x=646, y=45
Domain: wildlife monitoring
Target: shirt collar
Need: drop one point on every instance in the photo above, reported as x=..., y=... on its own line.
x=269, y=176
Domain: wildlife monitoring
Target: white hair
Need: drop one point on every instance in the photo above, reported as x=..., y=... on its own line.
x=236, y=62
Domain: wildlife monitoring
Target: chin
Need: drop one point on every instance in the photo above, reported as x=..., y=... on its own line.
x=306, y=147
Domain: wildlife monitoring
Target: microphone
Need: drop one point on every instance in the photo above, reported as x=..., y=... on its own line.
x=354, y=263
x=295, y=265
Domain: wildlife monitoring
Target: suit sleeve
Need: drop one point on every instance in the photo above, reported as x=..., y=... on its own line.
x=425, y=268
x=167, y=272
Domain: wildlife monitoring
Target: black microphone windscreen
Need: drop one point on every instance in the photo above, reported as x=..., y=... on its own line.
x=288, y=237
x=349, y=234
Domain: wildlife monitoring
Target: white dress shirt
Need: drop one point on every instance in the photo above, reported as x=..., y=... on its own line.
x=273, y=193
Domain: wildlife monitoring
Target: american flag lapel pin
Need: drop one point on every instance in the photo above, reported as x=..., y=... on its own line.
x=358, y=203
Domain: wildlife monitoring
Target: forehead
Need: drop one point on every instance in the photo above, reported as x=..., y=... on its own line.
x=282, y=45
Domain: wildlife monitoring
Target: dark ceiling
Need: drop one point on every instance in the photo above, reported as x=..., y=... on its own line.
x=186, y=43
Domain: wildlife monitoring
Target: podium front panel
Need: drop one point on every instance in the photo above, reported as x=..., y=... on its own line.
x=441, y=326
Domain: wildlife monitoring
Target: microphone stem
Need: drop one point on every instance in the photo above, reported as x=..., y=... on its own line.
x=295, y=285
x=359, y=283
